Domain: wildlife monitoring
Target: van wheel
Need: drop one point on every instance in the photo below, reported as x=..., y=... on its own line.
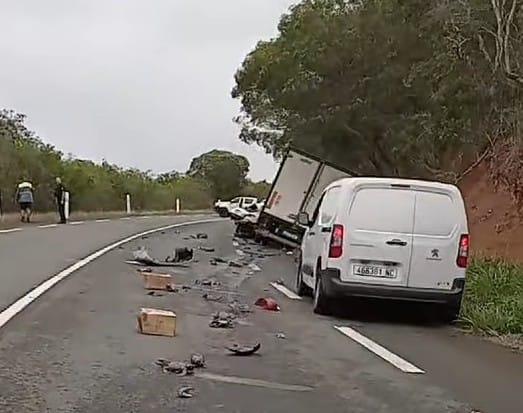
x=321, y=301
x=223, y=212
x=301, y=288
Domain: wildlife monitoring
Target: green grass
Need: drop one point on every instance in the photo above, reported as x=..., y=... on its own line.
x=493, y=302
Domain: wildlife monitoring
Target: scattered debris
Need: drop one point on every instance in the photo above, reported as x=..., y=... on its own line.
x=206, y=249
x=155, y=294
x=153, y=281
x=243, y=350
x=254, y=267
x=180, y=368
x=198, y=360
x=268, y=304
x=222, y=319
x=185, y=392
x=211, y=297
x=142, y=257
x=235, y=244
x=157, y=322
x=181, y=255
x=290, y=253
x=280, y=281
x=235, y=264
x=219, y=260
x=240, y=252
x=171, y=288
x=202, y=235
x=142, y=270
x=208, y=282
x=213, y=262
x=281, y=336
x=238, y=308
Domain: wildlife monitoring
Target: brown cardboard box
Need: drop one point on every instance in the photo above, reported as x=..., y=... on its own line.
x=155, y=281
x=157, y=322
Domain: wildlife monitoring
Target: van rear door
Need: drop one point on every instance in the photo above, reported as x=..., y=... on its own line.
x=439, y=222
x=378, y=241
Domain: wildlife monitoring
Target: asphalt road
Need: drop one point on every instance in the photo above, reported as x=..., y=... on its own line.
x=76, y=349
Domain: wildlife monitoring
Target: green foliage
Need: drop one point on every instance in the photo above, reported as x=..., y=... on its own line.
x=259, y=189
x=493, y=301
x=93, y=187
x=224, y=171
x=387, y=87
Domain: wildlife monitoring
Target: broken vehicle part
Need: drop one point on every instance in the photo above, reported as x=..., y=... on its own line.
x=198, y=360
x=185, y=392
x=181, y=255
x=268, y=304
x=142, y=257
x=222, y=319
x=243, y=350
x=211, y=297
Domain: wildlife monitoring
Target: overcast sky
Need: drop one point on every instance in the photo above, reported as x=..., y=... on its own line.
x=141, y=83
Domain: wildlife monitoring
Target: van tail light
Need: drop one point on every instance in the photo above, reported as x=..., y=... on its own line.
x=463, y=251
x=336, y=245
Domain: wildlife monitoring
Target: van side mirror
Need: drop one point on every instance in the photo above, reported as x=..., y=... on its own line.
x=303, y=219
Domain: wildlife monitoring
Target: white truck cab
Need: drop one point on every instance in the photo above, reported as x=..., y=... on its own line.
x=386, y=238
x=224, y=208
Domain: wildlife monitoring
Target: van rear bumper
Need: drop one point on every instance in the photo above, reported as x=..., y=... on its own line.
x=334, y=287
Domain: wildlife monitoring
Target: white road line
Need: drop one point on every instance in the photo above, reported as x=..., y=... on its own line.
x=282, y=289
x=28, y=298
x=102, y=220
x=144, y=217
x=48, y=226
x=77, y=223
x=380, y=351
x=125, y=218
x=8, y=231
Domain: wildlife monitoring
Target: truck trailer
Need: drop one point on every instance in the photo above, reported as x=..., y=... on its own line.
x=297, y=187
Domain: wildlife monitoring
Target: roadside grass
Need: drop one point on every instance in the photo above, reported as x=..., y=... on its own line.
x=493, y=301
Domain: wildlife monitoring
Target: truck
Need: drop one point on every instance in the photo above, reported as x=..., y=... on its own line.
x=298, y=186
x=224, y=208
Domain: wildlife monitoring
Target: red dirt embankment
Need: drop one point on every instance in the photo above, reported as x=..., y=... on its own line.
x=496, y=228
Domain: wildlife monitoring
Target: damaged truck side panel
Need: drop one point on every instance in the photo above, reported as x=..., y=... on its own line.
x=297, y=187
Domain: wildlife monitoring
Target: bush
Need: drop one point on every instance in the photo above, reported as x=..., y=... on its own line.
x=493, y=302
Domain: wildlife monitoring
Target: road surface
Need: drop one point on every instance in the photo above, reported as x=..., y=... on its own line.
x=76, y=348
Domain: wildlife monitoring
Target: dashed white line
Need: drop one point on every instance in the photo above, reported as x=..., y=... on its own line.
x=77, y=223
x=282, y=289
x=28, y=298
x=102, y=220
x=144, y=217
x=48, y=226
x=125, y=219
x=8, y=231
x=380, y=351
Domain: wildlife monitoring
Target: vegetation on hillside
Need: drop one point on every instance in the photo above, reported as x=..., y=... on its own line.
x=410, y=88
x=102, y=187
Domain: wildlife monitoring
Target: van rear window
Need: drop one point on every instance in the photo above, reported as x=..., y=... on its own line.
x=436, y=214
x=383, y=210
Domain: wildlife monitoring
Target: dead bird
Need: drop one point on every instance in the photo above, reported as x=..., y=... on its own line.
x=185, y=392
x=243, y=350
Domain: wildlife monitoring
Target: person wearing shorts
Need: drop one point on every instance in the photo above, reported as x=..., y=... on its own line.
x=25, y=198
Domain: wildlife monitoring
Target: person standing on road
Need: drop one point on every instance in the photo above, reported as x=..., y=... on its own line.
x=25, y=199
x=59, y=196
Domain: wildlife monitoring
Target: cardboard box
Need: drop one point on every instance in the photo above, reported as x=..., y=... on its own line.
x=155, y=281
x=157, y=322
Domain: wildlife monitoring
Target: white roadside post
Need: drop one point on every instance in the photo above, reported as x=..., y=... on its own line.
x=128, y=204
x=66, y=205
x=177, y=205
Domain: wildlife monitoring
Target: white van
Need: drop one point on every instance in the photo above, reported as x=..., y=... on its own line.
x=386, y=238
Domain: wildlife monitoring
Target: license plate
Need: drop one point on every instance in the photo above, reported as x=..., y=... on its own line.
x=374, y=271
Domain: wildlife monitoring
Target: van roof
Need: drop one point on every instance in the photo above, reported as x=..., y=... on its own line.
x=359, y=181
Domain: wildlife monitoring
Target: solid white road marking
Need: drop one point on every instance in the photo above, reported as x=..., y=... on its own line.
x=102, y=220
x=380, y=351
x=8, y=231
x=282, y=289
x=48, y=226
x=144, y=217
x=77, y=223
x=28, y=298
x=125, y=218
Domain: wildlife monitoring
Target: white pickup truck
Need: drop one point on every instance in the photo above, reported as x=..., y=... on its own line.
x=225, y=208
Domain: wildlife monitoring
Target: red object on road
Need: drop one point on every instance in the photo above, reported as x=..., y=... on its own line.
x=268, y=304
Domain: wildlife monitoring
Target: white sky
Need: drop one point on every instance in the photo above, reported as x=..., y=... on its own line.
x=140, y=83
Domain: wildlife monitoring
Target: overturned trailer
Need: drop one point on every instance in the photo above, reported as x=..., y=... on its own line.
x=298, y=186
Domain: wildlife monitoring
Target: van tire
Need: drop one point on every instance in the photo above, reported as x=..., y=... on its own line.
x=223, y=212
x=301, y=288
x=321, y=304
x=450, y=314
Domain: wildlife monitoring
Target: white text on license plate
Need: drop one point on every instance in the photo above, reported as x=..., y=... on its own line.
x=374, y=271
